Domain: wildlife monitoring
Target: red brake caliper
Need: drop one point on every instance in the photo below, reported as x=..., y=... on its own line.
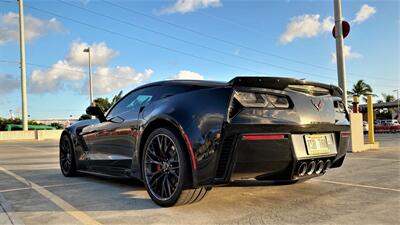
x=158, y=167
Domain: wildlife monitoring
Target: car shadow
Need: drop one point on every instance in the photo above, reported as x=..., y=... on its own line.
x=256, y=183
x=85, y=192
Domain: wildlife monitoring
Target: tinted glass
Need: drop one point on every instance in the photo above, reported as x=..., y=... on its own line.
x=146, y=95
x=133, y=101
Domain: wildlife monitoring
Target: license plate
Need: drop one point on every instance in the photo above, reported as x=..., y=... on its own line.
x=316, y=144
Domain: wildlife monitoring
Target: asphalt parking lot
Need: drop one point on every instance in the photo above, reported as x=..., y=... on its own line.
x=366, y=190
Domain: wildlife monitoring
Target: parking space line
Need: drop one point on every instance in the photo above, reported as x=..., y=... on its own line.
x=358, y=185
x=383, y=159
x=44, y=186
x=68, y=208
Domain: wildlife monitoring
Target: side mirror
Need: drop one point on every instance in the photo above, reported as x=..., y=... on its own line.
x=97, y=112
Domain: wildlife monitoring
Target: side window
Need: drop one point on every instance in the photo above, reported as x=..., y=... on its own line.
x=133, y=101
x=144, y=96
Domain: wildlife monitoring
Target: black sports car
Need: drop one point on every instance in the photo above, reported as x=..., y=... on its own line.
x=182, y=137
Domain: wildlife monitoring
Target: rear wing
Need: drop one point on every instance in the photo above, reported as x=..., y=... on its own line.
x=282, y=83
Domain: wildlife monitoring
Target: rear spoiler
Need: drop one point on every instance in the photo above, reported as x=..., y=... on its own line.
x=281, y=83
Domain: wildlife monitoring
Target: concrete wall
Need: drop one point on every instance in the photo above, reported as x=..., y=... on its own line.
x=30, y=135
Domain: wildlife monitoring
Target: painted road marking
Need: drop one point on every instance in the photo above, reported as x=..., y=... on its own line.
x=68, y=208
x=392, y=160
x=358, y=185
x=44, y=186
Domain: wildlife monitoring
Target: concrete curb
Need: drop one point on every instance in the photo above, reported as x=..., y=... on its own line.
x=30, y=135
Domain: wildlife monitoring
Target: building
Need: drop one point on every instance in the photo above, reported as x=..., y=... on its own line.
x=389, y=107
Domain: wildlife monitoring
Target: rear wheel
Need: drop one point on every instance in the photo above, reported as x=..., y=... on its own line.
x=67, y=157
x=165, y=170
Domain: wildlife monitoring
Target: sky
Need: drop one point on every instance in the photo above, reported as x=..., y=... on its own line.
x=137, y=42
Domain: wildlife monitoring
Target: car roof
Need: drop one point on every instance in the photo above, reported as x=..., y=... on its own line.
x=206, y=83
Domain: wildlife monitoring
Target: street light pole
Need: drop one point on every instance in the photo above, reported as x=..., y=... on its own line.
x=340, y=61
x=23, y=66
x=90, y=76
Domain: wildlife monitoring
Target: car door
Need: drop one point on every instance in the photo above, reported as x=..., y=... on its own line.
x=111, y=143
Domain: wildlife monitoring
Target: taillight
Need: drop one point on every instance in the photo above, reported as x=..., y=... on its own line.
x=255, y=137
x=261, y=100
x=345, y=134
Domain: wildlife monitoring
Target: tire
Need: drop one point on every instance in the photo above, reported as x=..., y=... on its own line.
x=166, y=170
x=67, y=157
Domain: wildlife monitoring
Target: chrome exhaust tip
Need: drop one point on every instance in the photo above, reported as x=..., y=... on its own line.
x=302, y=169
x=327, y=165
x=320, y=167
x=311, y=167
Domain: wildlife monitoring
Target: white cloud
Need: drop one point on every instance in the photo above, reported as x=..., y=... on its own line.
x=100, y=53
x=71, y=72
x=306, y=26
x=364, y=13
x=55, y=78
x=327, y=24
x=34, y=27
x=310, y=25
x=107, y=79
x=185, y=6
x=187, y=75
x=348, y=54
x=8, y=83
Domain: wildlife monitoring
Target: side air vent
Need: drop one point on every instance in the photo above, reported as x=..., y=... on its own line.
x=226, y=150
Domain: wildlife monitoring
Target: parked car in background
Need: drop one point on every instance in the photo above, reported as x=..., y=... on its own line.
x=387, y=126
x=365, y=127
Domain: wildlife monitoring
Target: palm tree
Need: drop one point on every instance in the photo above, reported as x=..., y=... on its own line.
x=361, y=89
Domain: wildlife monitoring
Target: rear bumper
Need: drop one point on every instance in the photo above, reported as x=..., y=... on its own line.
x=274, y=159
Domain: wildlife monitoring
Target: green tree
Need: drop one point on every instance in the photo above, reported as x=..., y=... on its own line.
x=388, y=98
x=4, y=122
x=84, y=117
x=104, y=104
x=361, y=89
x=57, y=125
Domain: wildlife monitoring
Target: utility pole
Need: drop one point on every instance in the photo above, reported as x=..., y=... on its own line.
x=340, y=61
x=90, y=76
x=23, y=66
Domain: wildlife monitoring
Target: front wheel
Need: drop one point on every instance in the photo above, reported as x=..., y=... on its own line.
x=67, y=157
x=165, y=170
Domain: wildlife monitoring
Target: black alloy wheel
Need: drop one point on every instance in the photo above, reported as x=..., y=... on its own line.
x=166, y=168
x=67, y=159
x=162, y=167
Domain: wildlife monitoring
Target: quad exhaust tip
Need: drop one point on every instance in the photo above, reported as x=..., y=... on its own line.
x=311, y=168
x=302, y=169
x=320, y=167
x=327, y=164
